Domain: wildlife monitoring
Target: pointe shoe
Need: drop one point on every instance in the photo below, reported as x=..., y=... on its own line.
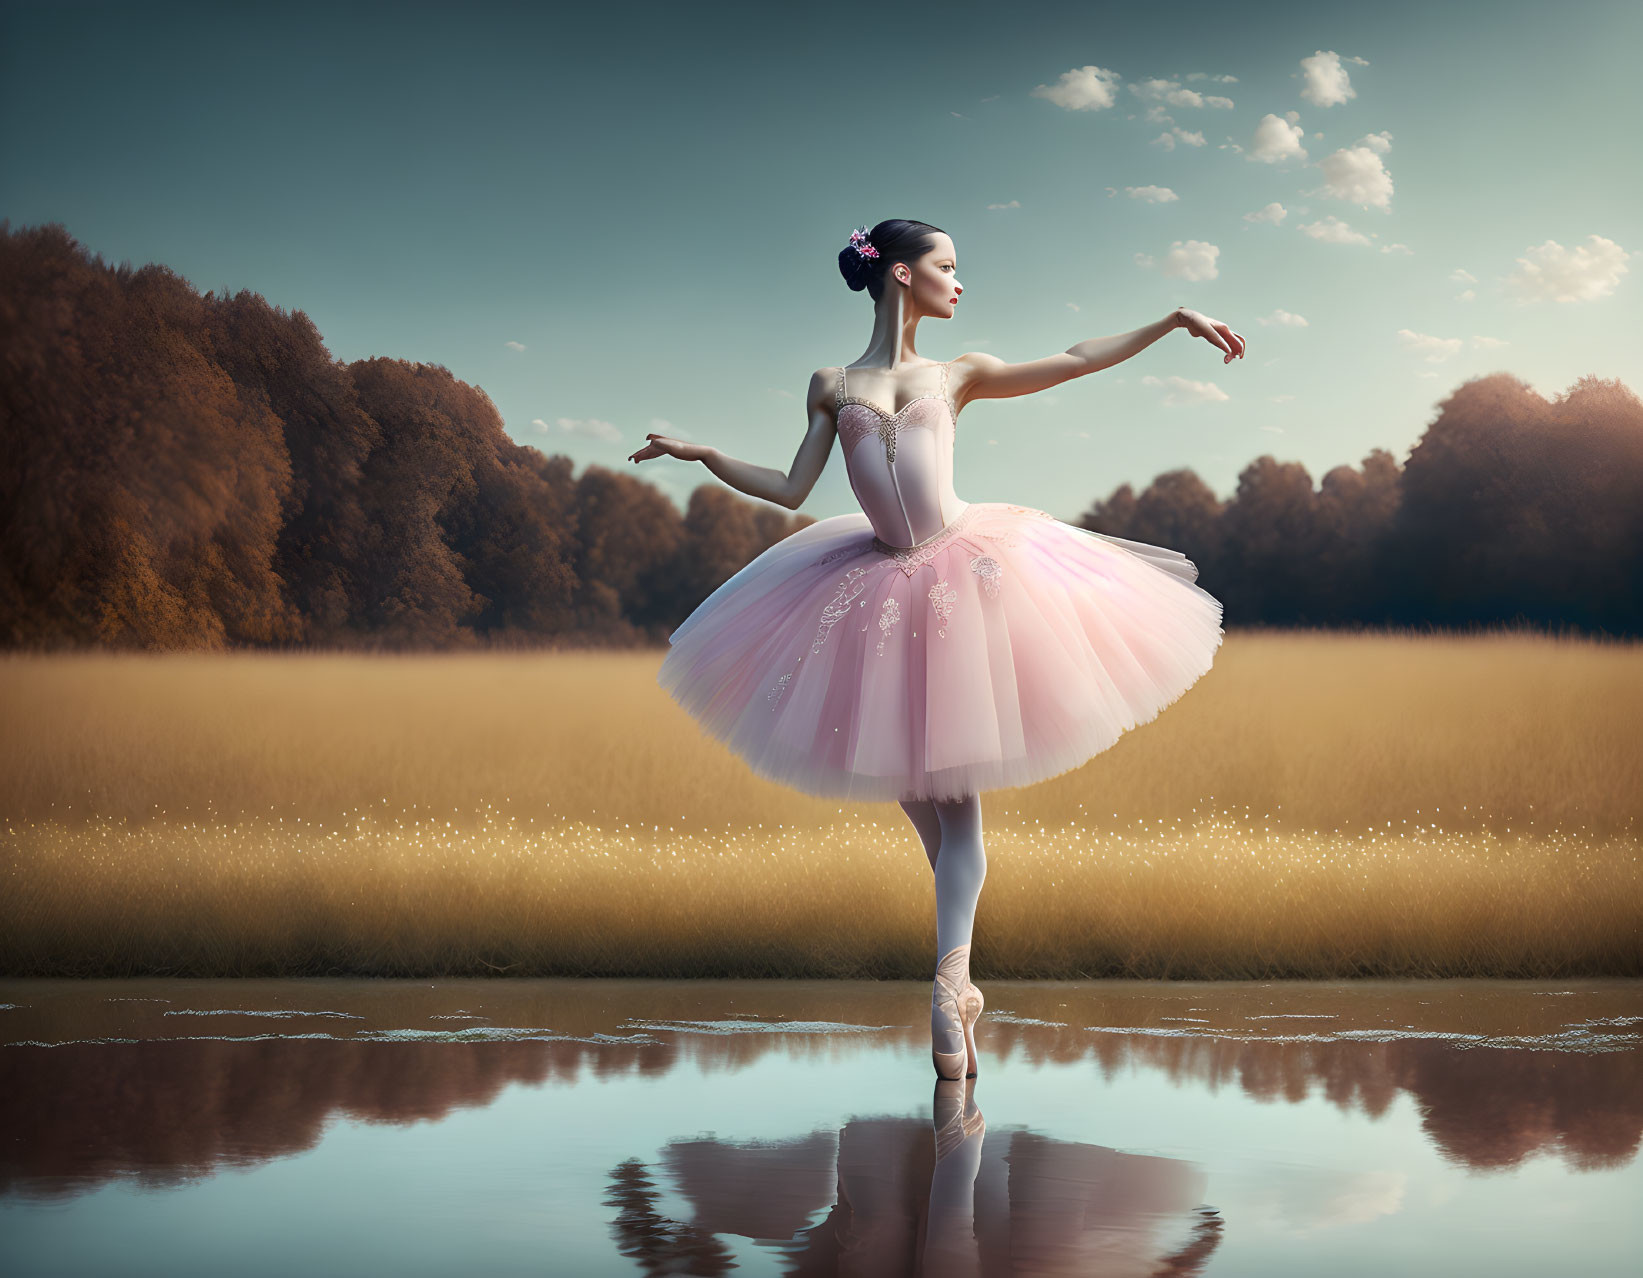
x=953, y=1011
x=974, y=1001
x=955, y=1115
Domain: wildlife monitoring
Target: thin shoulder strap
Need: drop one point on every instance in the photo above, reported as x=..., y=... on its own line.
x=838, y=403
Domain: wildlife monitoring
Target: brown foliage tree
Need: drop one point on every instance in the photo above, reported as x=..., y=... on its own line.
x=1354, y=510
x=628, y=538
x=1270, y=541
x=1514, y=508
x=281, y=359
x=142, y=490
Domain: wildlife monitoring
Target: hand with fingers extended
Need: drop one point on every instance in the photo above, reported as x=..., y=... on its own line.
x=1213, y=331
x=666, y=446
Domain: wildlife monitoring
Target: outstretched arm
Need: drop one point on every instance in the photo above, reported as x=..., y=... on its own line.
x=788, y=488
x=988, y=377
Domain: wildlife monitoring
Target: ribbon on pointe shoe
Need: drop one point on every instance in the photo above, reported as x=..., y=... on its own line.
x=952, y=976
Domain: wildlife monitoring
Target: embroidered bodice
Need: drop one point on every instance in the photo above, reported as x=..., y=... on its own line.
x=901, y=464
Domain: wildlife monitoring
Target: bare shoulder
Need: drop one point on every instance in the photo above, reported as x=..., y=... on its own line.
x=965, y=372
x=823, y=391
x=972, y=362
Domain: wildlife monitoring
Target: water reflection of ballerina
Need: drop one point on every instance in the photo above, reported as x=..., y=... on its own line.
x=925, y=649
x=948, y=1244
x=963, y=1206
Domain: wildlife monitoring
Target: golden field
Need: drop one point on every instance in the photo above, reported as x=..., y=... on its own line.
x=1319, y=805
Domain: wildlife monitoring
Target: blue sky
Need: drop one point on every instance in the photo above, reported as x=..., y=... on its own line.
x=618, y=219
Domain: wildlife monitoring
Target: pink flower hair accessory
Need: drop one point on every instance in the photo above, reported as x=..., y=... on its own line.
x=862, y=245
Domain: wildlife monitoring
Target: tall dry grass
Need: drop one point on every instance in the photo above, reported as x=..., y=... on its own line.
x=1319, y=805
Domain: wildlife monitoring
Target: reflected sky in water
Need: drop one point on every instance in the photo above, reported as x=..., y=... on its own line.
x=632, y=1127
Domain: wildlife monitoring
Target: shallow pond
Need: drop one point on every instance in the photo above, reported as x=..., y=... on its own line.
x=596, y=1127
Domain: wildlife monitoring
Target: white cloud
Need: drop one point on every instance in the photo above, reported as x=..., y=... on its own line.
x=1552, y=273
x=1009, y=204
x=1166, y=93
x=1327, y=83
x=1273, y=213
x=1399, y=247
x=1287, y=318
x=1331, y=230
x=1462, y=276
x=1371, y=1194
x=1161, y=94
x=1488, y=343
x=1466, y=295
x=1187, y=260
x=1282, y=399
x=584, y=427
x=1151, y=194
x=1276, y=139
x=1088, y=88
x=1187, y=137
x=1356, y=174
x=514, y=346
x=1434, y=350
x=1185, y=390
x=1298, y=1201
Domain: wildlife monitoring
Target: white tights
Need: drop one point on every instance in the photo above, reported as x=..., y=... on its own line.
x=951, y=833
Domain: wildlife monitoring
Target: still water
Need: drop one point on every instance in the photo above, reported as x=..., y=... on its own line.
x=646, y=1127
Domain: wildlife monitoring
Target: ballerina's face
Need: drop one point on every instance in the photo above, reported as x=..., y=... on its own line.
x=934, y=279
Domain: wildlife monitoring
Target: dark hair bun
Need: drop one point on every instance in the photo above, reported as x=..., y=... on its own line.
x=897, y=240
x=855, y=268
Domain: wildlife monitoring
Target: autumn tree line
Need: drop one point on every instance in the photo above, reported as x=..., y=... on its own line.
x=197, y=472
x=1509, y=510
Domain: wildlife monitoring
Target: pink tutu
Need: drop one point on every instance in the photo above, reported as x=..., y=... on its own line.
x=1006, y=649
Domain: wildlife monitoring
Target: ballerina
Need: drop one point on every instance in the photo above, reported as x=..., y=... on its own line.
x=926, y=649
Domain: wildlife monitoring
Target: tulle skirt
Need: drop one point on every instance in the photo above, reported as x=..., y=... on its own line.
x=1007, y=649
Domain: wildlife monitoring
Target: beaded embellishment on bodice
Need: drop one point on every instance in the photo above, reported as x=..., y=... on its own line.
x=905, y=484
x=887, y=426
